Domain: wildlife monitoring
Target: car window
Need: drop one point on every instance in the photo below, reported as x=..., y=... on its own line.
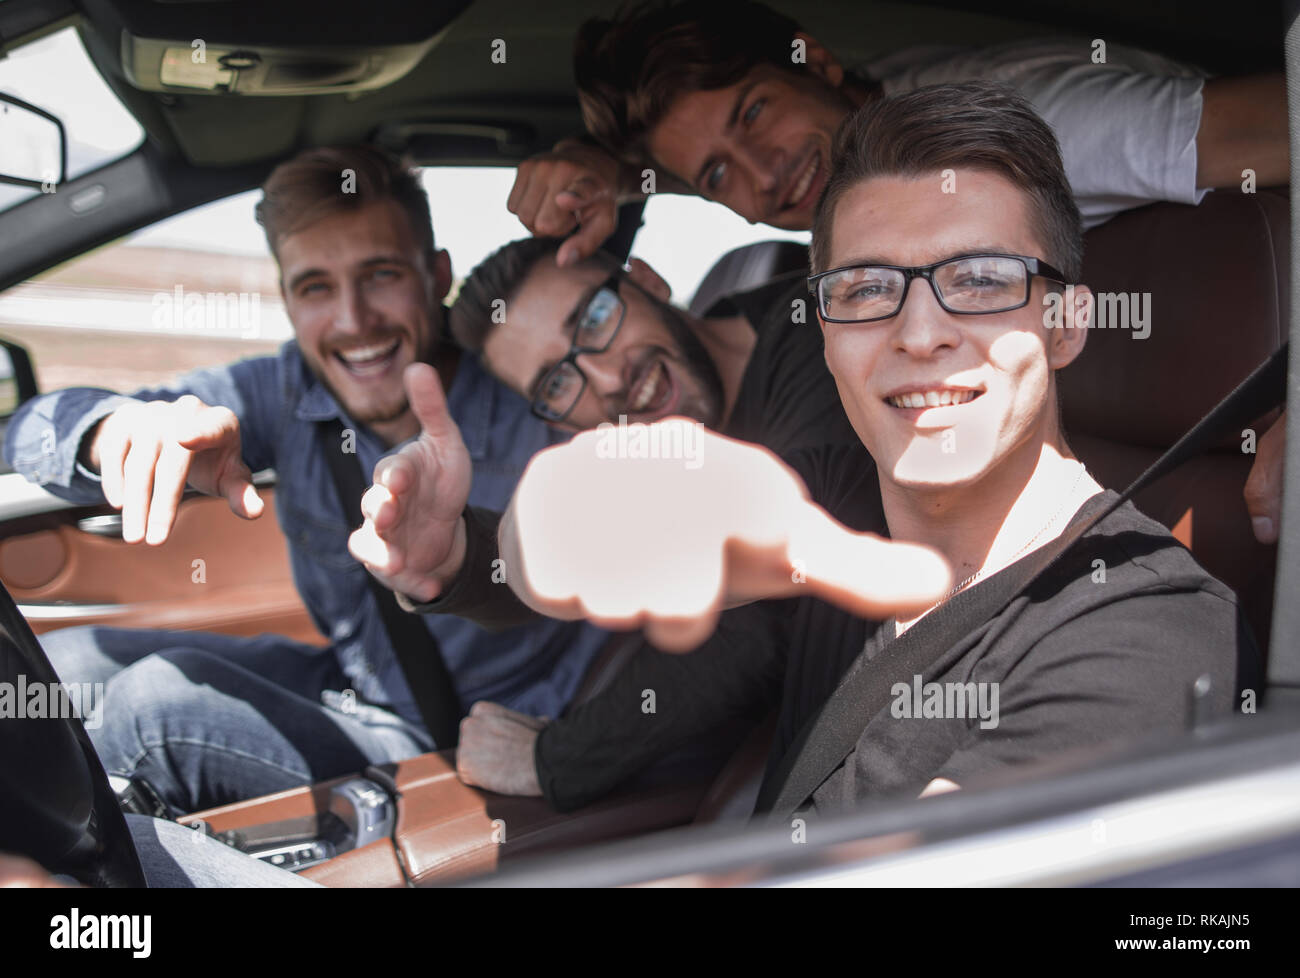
x=683, y=237
x=193, y=290
x=200, y=288
x=56, y=74
x=470, y=220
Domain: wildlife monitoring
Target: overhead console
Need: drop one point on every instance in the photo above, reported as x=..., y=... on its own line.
x=246, y=47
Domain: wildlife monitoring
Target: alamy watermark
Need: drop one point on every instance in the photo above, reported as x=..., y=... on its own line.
x=945, y=701
x=22, y=700
x=1107, y=310
x=208, y=311
x=77, y=931
x=672, y=439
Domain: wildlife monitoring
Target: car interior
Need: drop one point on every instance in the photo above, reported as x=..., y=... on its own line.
x=417, y=79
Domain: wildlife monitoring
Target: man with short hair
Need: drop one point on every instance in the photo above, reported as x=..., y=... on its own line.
x=200, y=719
x=931, y=306
x=735, y=102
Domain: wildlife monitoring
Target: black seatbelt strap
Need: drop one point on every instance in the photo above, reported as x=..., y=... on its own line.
x=828, y=738
x=414, y=645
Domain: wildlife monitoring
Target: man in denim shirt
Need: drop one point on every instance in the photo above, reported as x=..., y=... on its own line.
x=204, y=719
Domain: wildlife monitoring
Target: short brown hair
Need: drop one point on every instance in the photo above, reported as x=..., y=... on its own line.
x=320, y=181
x=631, y=68
x=976, y=125
x=498, y=276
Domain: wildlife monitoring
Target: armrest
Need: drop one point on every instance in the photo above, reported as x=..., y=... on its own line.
x=447, y=830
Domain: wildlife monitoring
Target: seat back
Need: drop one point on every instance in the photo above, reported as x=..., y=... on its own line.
x=1209, y=285
x=747, y=267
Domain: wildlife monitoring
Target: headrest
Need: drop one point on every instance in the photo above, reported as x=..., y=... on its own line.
x=748, y=267
x=1207, y=284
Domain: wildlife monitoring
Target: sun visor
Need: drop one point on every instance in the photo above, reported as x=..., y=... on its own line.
x=290, y=47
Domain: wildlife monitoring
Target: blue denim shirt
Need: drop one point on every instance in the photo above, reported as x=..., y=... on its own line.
x=280, y=405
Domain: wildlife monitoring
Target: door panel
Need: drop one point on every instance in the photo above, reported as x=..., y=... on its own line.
x=68, y=566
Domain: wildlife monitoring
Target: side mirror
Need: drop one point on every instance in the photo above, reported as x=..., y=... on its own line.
x=17, y=379
x=33, y=146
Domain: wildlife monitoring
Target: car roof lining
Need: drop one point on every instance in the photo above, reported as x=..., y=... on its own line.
x=533, y=90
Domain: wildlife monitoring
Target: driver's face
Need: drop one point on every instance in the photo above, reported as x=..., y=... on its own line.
x=761, y=146
x=654, y=367
x=941, y=400
x=364, y=303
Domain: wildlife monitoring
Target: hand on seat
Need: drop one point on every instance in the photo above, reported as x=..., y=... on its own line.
x=1263, y=491
x=659, y=543
x=413, y=537
x=496, y=749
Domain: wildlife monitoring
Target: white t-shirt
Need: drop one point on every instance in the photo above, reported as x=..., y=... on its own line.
x=1127, y=127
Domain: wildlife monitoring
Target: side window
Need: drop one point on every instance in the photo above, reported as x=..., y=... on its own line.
x=200, y=288
x=682, y=238
x=196, y=289
x=470, y=220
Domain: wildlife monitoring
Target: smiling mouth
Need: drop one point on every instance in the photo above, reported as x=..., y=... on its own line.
x=931, y=399
x=651, y=391
x=802, y=187
x=368, y=360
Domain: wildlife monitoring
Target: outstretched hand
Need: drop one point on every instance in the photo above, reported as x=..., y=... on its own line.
x=413, y=536
x=147, y=452
x=656, y=543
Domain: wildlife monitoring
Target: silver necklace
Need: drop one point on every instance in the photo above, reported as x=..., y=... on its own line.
x=1078, y=480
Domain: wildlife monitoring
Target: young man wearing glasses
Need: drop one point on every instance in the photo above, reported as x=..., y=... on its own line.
x=949, y=383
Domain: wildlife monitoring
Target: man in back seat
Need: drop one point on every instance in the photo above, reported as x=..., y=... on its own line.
x=932, y=308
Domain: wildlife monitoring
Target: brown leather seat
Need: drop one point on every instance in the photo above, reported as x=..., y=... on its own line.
x=1216, y=277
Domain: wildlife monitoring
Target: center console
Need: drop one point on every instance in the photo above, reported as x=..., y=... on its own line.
x=415, y=823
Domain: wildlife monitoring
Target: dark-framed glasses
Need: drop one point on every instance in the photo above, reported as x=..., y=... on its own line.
x=595, y=324
x=969, y=285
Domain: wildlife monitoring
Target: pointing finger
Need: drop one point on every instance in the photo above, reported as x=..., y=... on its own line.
x=429, y=403
x=863, y=573
x=168, y=488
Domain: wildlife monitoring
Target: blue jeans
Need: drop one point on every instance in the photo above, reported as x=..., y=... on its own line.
x=210, y=719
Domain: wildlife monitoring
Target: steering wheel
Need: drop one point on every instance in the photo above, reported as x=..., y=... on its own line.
x=56, y=805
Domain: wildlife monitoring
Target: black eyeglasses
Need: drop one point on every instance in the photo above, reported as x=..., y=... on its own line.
x=970, y=285
x=595, y=325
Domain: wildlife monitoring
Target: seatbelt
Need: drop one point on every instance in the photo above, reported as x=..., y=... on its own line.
x=414, y=645
x=828, y=738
